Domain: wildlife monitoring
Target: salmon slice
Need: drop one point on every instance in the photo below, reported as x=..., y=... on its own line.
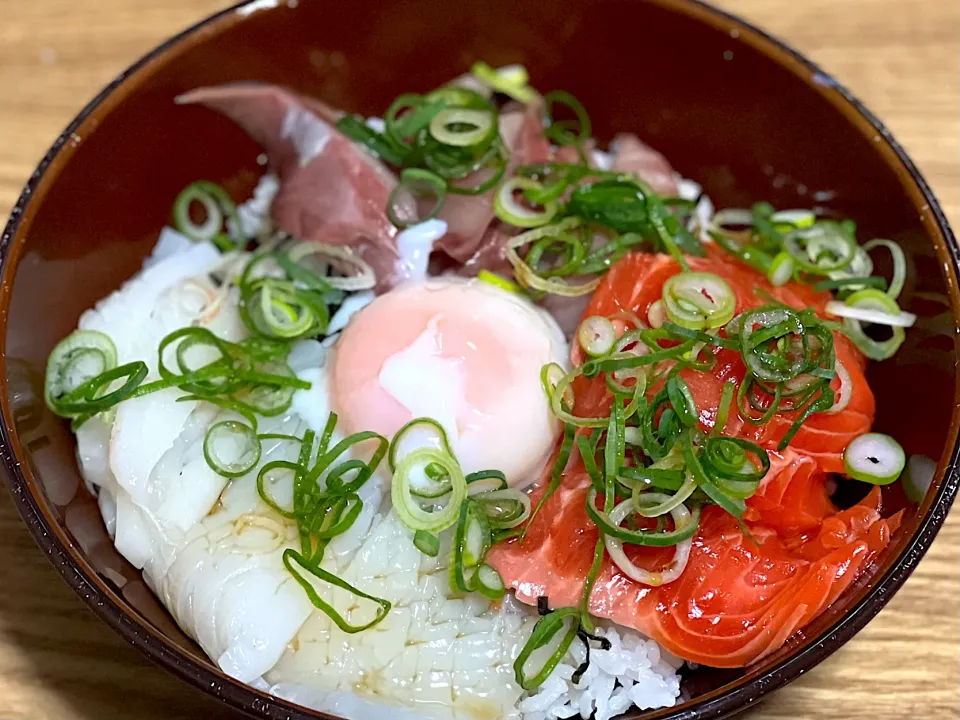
x=793, y=497
x=742, y=594
x=636, y=281
x=735, y=602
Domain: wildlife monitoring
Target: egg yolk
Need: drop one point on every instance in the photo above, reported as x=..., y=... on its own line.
x=464, y=353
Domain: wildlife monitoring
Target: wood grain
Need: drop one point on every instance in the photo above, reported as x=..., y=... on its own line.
x=59, y=662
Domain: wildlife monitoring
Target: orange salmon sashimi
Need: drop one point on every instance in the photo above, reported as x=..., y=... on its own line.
x=636, y=281
x=735, y=601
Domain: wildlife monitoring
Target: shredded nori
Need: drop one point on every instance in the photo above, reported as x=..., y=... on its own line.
x=543, y=605
x=586, y=638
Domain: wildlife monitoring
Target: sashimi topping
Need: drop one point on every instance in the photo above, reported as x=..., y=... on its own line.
x=689, y=499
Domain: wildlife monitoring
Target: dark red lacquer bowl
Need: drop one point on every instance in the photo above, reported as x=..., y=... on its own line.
x=732, y=108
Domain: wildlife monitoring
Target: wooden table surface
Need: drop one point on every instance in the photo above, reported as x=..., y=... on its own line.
x=59, y=662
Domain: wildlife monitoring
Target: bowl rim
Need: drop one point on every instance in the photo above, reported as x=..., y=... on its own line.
x=727, y=699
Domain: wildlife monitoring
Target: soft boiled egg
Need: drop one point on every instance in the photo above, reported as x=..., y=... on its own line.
x=465, y=353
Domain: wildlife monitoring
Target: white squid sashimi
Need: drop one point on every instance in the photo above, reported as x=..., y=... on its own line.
x=173, y=291
x=170, y=293
x=435, y=654
x=237, y=600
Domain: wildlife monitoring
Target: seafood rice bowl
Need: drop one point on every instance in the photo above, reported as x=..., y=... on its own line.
x=463, y=415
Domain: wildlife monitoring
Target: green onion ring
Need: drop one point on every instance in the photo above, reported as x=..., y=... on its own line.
x=247, y=457
x=416, y=181
x=67, y=364
x=698, y=300
x=874, y=458
x=564, y=621
x=510, y=211
x=565, y=132
x=683, y=521
x=481, y=127
x=292, y=557
x=822, y=248
x=427, y=543
x=217, y=204
x=407, y=507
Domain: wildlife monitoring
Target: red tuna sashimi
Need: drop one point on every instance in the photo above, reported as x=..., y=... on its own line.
x=330, y=189
x=734, y=603
x=636, y=281
x=633, y=156
x=470, y=237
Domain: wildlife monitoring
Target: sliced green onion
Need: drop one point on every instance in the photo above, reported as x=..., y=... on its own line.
x=682, y=400
x=823, y=401
x=844, y=392
x=756, y=258
x=510, y=80
x=292, y=558
x=647, y=538
x=698, y=300
x=556, y=475
x=652, y=505
x=476, y=536
x=93, y=397
x=335, y=518
x=427, y=543
x=408, y=507
x=399, y=129
x=781, y=270
x=217, y=206
x=565, y=132
x=641, y=478
x=483, y=481
x=723, y=408
x=875, y=307
x=413, y=432
x=656, y=314
x=547, y=645
x=373, y=142
x=497, y=281
x=506, y=508
x=266, y=496
x=821, y=248
x=471, y=542
x=231, y=448
x=419, y=183
x=683, y=520
x=336, y=484
x=796, y=218
x=899, y=264
x=732, y=217
x=463, y=127
x=77, y=359
x=507, y=208
x=488, y=583
x=872, y=306
x=596, y=335
x=874, y=458
x=851, y=283
x=528, y=277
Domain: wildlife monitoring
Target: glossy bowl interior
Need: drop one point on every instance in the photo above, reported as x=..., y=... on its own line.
x=730, y=107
